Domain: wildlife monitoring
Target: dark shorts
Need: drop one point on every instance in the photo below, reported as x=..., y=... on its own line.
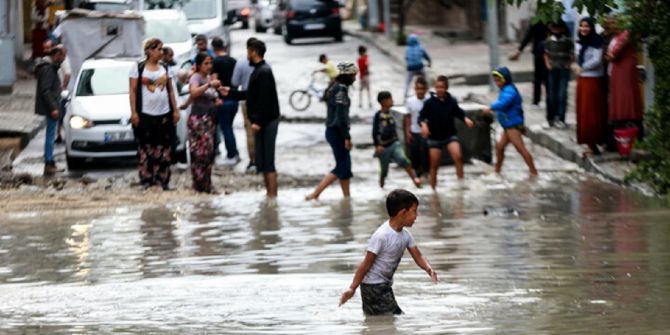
x=378, y=299
x=440, y=144
x=264, y=144
x=521, y=128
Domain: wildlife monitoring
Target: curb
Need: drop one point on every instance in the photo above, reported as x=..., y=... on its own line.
x=471, y=79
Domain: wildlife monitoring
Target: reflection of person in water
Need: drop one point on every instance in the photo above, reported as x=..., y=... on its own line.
x=265, y=228
x=158, y=241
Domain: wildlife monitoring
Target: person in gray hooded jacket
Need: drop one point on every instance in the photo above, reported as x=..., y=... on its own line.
x=47, y=100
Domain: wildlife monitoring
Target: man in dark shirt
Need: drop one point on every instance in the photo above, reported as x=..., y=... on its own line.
x=438, y=126
x=48, y=99
x=263, y=108
x=222, y=69
x=537, y=32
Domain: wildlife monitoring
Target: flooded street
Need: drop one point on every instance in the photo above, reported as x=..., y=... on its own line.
x=565, y=253
x=566, y=260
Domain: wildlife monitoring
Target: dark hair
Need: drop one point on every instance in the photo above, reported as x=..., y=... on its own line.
x=421, y=80
x=383, y=95
x=443, y=79
x=200, y=37
x=346, y=79
x=199, y=59
x=362, y=49
x=167, y=50
x=400, y=199
x=251, y=39
x=257, y=46
x=322, y=57
x=56, y=50
x=217, y=43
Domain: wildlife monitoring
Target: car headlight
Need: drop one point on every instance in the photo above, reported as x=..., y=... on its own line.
x=78, y=122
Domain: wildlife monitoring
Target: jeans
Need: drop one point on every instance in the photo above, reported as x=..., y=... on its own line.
x=342, y=168
x=226, y=114
x=395, y=153
x=557, y=94
x=49, y=139
x=418, y=150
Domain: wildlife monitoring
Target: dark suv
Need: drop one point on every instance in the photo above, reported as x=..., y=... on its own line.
x=308, y=18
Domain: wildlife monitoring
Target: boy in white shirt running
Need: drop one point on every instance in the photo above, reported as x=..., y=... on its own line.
x=385, y=249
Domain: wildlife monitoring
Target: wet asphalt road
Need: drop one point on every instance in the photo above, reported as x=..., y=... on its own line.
x=573, y=255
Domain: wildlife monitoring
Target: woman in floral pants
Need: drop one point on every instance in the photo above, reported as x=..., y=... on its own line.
x=202, y=123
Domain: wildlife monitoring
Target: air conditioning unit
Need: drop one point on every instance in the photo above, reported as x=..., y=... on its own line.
x=7, y=72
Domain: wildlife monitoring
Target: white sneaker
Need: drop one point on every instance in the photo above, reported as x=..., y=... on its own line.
x=231, y=161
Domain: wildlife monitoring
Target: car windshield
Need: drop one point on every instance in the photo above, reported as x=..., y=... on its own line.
x=168, y=30
x=106, y=6
x=200, y=9
x=103, y=81
x=308, y=4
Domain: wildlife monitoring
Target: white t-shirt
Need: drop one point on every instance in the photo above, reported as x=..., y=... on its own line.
x=414, y=106
x=155, y=99
x=389, y=246
x=65, y=69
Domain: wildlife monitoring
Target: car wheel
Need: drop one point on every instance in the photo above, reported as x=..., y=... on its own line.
x=75, y=163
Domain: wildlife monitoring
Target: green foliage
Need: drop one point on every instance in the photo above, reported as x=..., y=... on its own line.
x=650, y=20
x=550, y=10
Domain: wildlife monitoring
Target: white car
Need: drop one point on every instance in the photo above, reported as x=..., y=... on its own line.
x=171, y=27
x=97, y=121
x=207, y=17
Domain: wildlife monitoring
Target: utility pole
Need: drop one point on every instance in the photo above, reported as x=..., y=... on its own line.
x=492, y=22
x=388, y=26
x=373, y=15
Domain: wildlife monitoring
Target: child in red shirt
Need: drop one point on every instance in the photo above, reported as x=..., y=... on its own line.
x=364, y=73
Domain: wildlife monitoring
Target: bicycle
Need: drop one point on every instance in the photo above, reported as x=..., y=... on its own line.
x=302, y=98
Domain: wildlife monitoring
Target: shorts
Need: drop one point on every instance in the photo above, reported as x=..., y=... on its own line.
x=521, y=128
x=440, y=144
x=378, y=299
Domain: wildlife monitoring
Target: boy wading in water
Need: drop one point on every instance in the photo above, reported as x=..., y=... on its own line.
x=438, y=126
x=385, y=249
x=385, y=138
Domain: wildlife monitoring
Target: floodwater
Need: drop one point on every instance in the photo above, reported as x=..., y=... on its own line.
x=562, y=254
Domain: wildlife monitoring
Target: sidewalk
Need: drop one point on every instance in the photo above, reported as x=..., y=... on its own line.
x=455, y=59
x=470, y=60
x=18, y=121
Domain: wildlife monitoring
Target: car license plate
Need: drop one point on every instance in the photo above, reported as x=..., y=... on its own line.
x=314, y=26
x=117, y=136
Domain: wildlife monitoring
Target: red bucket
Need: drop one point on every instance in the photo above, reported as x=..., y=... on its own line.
x=625, y=137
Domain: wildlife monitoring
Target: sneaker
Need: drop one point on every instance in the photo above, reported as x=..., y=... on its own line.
x=51, y=169
x=59, y=140
x=251, y=168
x=560, y=125
x=535, y=107
x=231, y=161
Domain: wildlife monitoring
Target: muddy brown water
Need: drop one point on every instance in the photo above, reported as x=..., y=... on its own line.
x=575, y=256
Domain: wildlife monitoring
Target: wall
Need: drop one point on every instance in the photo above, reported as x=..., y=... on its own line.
x=517, y=20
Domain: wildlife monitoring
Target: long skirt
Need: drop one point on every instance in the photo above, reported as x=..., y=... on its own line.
x=201, y=134
x=155, y=136
x=591, y=112
x=38, y=36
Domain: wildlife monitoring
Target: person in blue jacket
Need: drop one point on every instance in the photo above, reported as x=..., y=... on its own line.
x=415, y=54
x=509, y=112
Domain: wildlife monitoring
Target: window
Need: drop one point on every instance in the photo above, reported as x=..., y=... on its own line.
x=200, y=9
x=103, y=81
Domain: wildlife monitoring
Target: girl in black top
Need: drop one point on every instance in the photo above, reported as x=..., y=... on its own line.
x=437, y=125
